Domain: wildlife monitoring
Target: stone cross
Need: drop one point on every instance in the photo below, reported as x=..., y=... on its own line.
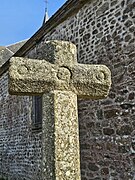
x=60, y=79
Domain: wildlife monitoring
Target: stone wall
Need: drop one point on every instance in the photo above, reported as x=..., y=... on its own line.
x=104, y=32
x=20, y=148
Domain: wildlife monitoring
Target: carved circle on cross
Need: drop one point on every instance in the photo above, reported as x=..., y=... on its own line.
x=23, y=69
x=64, y=74
x=101, y=76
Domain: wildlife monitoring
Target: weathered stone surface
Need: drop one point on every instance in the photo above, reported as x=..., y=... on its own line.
x=105, y=171
x=124, y=130
x=30, y=76
x=103, y=9
x=93, y=167
x=61, y=159
x=108, y=131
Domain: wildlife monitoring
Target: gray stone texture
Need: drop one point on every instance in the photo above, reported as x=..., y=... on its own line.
x=106, y=126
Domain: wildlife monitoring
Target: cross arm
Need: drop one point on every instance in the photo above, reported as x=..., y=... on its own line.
x=91, y=81
x=33, y=77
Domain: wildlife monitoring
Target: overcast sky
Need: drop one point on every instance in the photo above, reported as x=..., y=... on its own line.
x=20, y=19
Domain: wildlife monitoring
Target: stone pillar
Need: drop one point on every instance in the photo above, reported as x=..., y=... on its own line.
x=61, y=156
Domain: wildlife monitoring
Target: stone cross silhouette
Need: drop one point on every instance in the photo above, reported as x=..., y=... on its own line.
x=60, y=79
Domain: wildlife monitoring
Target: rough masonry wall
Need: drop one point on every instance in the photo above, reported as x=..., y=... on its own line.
x=20, y=148
x=104, y=32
